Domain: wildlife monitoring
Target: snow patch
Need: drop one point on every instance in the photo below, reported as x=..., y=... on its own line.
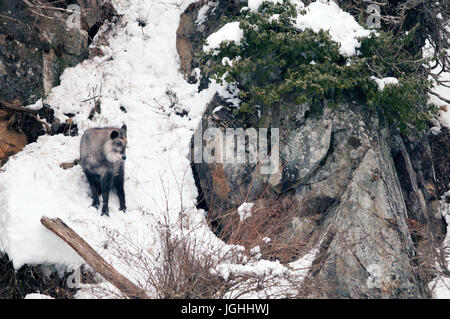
x=343, y=28
x=229, y=32
x=203, y=12
x=383, y=82
x=254, y=5
x=245, y=210
x=36, y=106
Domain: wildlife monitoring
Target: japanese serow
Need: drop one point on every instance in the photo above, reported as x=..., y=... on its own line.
x=102, y=157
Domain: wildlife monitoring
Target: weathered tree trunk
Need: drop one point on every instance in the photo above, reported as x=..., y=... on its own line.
x=96, y=261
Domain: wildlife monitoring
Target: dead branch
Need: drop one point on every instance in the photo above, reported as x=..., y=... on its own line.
x=10, y=18
x=17, y=108
x=439, y=96
x=96, y=261
x=27, y=3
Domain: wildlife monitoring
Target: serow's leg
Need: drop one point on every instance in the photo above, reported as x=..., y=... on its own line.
x=106, y=188
x=92, y=179
x=118, y=184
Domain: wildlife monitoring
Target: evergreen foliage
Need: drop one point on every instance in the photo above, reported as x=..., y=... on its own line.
x=276, y=62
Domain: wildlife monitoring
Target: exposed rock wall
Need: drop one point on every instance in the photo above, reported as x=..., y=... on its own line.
x=191, y=32
x=36, y=45
x=337, y=170
x=11, y=141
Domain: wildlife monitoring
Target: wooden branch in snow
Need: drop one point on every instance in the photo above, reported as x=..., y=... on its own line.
x=27, y=3
x=439, y=96
x=96, y=261
x=16, y=107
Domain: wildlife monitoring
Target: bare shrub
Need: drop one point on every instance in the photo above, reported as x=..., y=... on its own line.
x=188, y=261
x=184, y=270
x=267, y=228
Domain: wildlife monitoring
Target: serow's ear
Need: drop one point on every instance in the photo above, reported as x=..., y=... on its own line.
x=114, y=134
x=124, y=130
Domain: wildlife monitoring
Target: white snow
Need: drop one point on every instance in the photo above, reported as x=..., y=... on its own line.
x=320, y=15
x=440, y=286
x=202, y=15
x=229, y=32
x=326, y=15
x=255, y=4
x=217, y=109
x=274, y=17
x=444, y=112
x=435, y=130
x=279, y=280
x=259, y=268
x=383, y=82
x=245, y=210
x=227, y=61
x=36, y=106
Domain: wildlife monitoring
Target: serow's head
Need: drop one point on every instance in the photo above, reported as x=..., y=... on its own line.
x=115, y=148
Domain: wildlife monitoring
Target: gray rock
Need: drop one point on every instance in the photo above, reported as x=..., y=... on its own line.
x=337, y=169
x=369, y=252
x=34, y=50
x=302, y=151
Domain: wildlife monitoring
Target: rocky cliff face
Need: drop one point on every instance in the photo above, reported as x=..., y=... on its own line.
x=36, y=44
x=337, y=172
x=347, y=184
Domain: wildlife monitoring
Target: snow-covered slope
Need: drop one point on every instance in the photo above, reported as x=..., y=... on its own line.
x=140, y=65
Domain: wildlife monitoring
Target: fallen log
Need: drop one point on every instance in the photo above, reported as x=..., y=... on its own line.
x=15, y=107
x=96, y=261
